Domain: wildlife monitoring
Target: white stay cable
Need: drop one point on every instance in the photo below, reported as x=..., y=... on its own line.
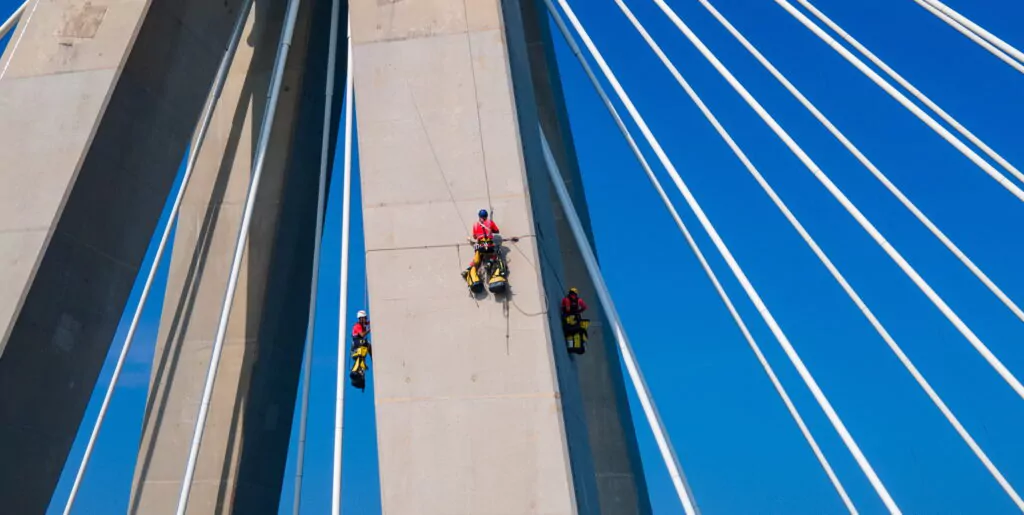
x=273, y=94
x=854, y=296
x=17, y=18
x=866, y=467
x=706, y=266
x=977, y=29
x=204, y=126
x=321, y=203
x=998, y=292
x=972, y=36
x=628, y=357
x=848, y=205
x=907, y=103
x=769, y=319
x=346, y=216
x=13, y=19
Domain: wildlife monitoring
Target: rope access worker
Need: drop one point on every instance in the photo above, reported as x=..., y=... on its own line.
x=361, y=350
x=483, y=239
x=573, y=325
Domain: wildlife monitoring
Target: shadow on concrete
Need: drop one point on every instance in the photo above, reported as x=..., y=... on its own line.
x=168, y=361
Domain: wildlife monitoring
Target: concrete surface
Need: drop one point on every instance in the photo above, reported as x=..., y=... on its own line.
x=622, y=488
x=99, y=99
x=478, y=404
x=245, y=444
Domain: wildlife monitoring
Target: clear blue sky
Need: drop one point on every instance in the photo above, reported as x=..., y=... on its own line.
x=740, y=449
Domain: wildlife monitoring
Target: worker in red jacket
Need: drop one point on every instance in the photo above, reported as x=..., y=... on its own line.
x=572, y=304
x=573, y=325
x=483, y=239
x=361, y=349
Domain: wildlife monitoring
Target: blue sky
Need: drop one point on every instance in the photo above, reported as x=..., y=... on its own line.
x=740, y=449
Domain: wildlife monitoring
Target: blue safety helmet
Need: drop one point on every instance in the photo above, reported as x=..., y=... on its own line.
x=482, y=213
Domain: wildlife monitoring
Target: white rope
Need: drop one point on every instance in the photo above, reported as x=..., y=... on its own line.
x=628, y=357
x=972, y=36
x=904, y=359
x=707, y=267
x=321, y=202
x=204, y=126
x=977, y=29
x=769, y=319
x=273, y=94
x=907, y=103
x=849, y=206
x=346, y=211
x=13, y=19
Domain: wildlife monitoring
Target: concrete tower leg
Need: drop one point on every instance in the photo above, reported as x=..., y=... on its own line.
x=479, y=407
x=622, y=488
x=99, y=99
x=245, y=443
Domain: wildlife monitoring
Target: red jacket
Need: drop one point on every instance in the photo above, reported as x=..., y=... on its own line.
x=486, y=229
x=360, y=331
x=567, y=306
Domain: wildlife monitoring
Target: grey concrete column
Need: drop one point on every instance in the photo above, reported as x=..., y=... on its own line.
x=98, y=101
x=478, y=405
x=621, y=484
x=245, y=444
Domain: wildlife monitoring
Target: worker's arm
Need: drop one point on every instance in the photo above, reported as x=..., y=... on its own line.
x=583, y=305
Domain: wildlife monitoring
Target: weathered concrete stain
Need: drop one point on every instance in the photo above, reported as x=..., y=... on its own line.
x=82, y=22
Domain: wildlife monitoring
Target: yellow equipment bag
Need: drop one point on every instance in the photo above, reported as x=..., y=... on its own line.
x=576, y=333
x=497, y=283
x=473, y=280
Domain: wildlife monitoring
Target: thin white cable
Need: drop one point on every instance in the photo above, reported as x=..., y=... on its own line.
x=998, y=292
x=13, y=19
x=346, y=212
x=204, y=126
x=628, y=357
x=321, y=202
x=907, y=103
x=972, y=36
x=977, y=29
x=769, y=319
x=273, y=94
x=827, y=261
x=707, y=267
x=17, y=41
x=865, y=466
x=847, y=204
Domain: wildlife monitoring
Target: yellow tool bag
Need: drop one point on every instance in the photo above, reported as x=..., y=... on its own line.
x=497, y=282
x=473, y=280
x=575, y=330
